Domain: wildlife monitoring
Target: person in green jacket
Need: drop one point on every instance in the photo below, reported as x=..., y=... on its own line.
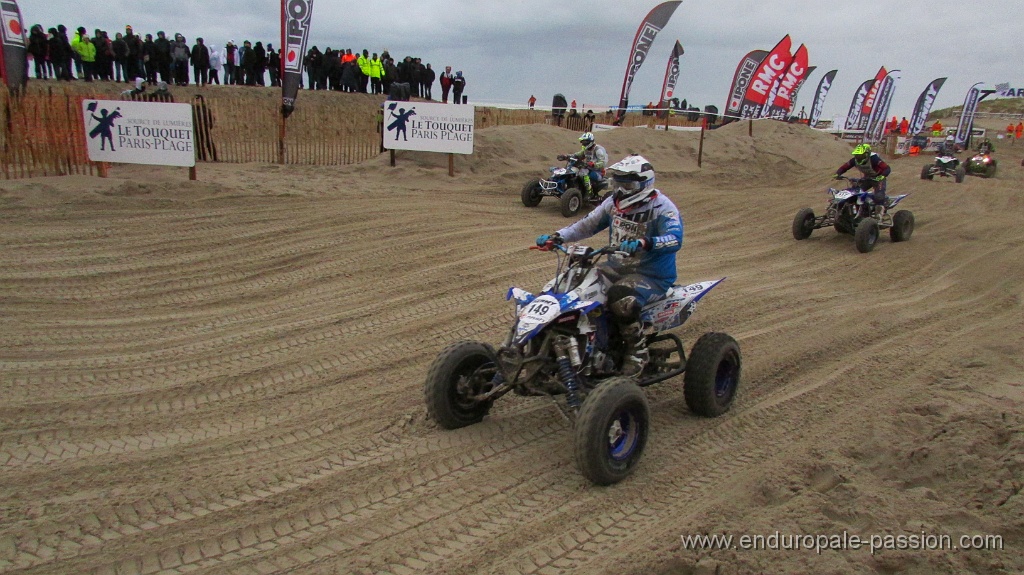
x=376, y=69
x=363, y=63
x=87, y=52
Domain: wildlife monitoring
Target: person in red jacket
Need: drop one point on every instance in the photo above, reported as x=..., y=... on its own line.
x=446, y=83
x=904, y=126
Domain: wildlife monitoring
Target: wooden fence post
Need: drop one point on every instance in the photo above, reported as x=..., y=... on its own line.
x=700, y=146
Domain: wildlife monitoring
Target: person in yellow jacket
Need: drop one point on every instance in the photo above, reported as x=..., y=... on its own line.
x=376, y=72
x=363, y=63
x=87, y=52
x=76, y=39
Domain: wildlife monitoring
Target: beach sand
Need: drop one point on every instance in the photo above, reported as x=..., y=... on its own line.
x=226, y=375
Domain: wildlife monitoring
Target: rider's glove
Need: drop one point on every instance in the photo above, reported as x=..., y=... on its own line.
x=562, y=157
x=543, y=239
x=879, y=178
x=836, y=177
x=590, y=165
x=633, y=246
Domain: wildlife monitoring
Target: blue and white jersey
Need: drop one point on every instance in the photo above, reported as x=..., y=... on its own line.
x=658, y=221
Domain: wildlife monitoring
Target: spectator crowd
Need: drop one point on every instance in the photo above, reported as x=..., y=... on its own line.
x=55, y=54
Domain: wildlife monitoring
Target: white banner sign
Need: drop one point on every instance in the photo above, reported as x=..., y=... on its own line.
x=424, y=127
x=127, y=132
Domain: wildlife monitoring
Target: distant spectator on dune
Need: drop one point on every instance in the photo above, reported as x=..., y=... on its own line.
x=458, y=85
x=446, y=83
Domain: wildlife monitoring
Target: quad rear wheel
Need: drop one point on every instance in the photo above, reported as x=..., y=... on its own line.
x=712, y=375
x=571, y=202
x=902, y=226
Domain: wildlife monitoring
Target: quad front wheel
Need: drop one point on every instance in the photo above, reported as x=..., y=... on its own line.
x=926, y=172
x=902, y=226
x=612, y=430
x=460, y=372
x=572, y=201
x=959, y=174
x=803, y=224
x=866, y=235
x=712, y=375
x=531, y=194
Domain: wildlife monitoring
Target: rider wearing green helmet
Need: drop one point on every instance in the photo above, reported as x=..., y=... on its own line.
x=872, y=168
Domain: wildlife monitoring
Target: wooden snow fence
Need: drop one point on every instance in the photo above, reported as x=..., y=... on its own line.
x=42, y=132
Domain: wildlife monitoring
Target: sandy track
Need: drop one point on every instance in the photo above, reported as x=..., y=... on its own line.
x=225, y=376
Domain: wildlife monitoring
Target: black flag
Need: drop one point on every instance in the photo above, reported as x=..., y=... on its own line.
x=819, y=97
x=652, y=24
x=14, y=64
x=295, y=16
x=924, y=105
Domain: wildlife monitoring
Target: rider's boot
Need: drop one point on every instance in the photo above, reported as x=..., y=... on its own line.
x=636, y=355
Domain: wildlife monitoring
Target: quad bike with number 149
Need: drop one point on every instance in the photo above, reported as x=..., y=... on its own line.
x=563, y=344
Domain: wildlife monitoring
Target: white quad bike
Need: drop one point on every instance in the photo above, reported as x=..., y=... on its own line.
x=564, y=343
x=945, y=165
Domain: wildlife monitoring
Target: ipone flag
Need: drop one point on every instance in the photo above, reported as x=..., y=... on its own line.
x=14, y=64
x=788, y=84
x=653, y=23
x=924, y=105
x=819, y=97
x=671, y=73
x=880, y=110
x=857, y=104
x=963, y=129
x=740, y=81
x=768, y=72
x=295, y=17
x=869, y=101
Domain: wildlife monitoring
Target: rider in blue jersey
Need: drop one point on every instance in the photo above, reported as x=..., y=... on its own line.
x=644, y=223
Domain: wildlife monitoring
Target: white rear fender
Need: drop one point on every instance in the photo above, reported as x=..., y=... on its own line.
x=666, y=313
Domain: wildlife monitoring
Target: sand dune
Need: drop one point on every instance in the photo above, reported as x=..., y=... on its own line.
x=225, y=376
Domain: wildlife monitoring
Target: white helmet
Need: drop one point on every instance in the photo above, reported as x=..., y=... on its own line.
x=587, y=139
x=950, y=138
x=632, y=181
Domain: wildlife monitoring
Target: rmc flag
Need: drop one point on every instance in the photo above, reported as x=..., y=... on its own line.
x=924, y=105
x=652, y=24
x=788, y=85
x=768, y=72
x=671, y=73
x=295, y=16
x=869, y=101
x=14, y=64
x=819, y=97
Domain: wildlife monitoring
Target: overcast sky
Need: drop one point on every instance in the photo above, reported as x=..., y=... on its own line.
x=508, y=51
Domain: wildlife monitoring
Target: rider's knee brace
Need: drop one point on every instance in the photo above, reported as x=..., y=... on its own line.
x=623, y=304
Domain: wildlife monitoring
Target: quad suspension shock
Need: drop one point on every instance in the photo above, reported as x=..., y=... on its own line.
x=568, y=377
